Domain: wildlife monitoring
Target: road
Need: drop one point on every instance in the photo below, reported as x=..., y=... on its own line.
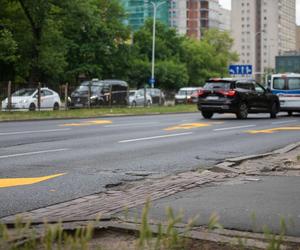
x=46, y=162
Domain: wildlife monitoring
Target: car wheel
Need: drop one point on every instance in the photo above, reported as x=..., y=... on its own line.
x=32, y=107
x=242, y=112
x=133, y=104
x=207, y=114
x=290, y=113
x=274, y=110
x=56, y=106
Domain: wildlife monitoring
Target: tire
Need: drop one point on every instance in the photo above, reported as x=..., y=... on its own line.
x=242, y=112
x=32, y=107
x=56, y=106
x=133, y=104
x=274, y=111
x=290, y=113
x=207, y=114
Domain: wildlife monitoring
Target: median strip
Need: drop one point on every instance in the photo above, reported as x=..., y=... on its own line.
x=155, y=137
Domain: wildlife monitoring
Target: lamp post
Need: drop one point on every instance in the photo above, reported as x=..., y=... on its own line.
x=255, y=54
x=155, y=7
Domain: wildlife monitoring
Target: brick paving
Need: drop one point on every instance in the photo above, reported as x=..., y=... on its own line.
x=111, y=202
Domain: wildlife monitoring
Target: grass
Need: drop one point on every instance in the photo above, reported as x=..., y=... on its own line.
x=170, y=235
x=96, y=112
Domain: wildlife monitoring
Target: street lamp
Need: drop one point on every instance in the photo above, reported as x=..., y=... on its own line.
x=155, y=7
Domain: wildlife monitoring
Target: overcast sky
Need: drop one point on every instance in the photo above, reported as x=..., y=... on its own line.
x=227, y=5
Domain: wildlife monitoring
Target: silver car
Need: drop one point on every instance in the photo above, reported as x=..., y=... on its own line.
x=137, y=98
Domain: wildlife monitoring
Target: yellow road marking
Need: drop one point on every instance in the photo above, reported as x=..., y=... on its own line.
x=188, y=126
x=87, y=123
x=273, y=130
x=13, y=182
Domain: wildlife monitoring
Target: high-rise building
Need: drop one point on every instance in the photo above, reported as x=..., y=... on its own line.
x=298, y=38
x=225, y=19
x=190, y=17
x=138, y=11
x=263, y=29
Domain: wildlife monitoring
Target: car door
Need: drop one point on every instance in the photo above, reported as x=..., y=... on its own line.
x=140, y=97
x=262, y=100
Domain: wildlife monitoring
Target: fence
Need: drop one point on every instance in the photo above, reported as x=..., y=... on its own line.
x=88, y=99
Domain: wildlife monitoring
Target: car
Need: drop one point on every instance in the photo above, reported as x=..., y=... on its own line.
x=137, y=98
x=27, y=99
x=158, y=96
x=195, y=96
x=98, y=93
x=236, y=96
x=184, y=95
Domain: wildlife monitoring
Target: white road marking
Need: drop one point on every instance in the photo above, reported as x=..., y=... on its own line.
x=283, y=122
x=131, y=124
x=34, y=153
x=35, y=131
x=232, y=128
x=156, y=137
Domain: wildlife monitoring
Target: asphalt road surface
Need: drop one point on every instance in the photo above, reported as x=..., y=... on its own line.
x=92, y=154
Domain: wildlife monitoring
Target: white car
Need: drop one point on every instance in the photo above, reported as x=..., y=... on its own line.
x=27, y=99
x=184, y=95
x=137, y=98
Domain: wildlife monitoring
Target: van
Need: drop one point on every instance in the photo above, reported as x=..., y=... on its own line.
x=287, y=88
x=99, y=92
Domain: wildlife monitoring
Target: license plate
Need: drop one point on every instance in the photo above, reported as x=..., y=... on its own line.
x=212, y=98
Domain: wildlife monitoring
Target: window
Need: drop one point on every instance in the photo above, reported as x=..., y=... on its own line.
x=278, y=83
x=294, y=83
x=259, y=89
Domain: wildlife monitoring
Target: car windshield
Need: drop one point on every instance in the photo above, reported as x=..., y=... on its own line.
x=24, y=92
x=279, y=83
x=85, y=88
x=294, y=83
x=217, y=85
x=185, y=92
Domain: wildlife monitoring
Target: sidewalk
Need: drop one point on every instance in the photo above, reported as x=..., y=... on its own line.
x=245, y=193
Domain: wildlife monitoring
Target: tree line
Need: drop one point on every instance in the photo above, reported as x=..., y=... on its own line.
x=54, y=42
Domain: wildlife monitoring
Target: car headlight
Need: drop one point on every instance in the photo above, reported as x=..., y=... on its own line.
x=94, y=97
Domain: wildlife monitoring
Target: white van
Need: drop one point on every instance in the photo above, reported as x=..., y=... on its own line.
x=287, y=87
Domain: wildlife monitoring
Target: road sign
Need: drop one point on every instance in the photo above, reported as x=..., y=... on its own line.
x=152, y=81
x=240, y=69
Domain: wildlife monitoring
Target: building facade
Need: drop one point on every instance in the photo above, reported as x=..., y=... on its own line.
x=263, y=29
x=289, y=62
x=188, y=17
x=298, y=38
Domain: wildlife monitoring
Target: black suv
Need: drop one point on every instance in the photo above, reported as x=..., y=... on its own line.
x=100, y=92
x=236, y=96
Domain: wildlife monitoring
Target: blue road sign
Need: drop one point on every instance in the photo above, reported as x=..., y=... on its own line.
x=240, y=69
x=152, y=81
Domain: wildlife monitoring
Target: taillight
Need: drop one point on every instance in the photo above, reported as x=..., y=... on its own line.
x=230, y=93
x=200, y=92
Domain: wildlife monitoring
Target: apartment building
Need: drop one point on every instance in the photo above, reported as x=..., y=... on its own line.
x=298, y=38
x=263, y=29
x=190, y=17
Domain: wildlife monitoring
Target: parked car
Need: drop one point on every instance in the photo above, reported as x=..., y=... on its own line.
x=137, y=98
x=100, y=92
x=236, y=96
x=27, y=99
x=158, y=96
x=184, y=95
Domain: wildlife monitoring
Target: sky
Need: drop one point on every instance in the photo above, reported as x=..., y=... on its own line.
x=227, y=4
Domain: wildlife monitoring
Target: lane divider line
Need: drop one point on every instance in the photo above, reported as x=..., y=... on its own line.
x=155, y=137
x=34, y=153
x=283, y=122
x=273, y=130
x=35, y=131
x=13, y=182
x=232, y=128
